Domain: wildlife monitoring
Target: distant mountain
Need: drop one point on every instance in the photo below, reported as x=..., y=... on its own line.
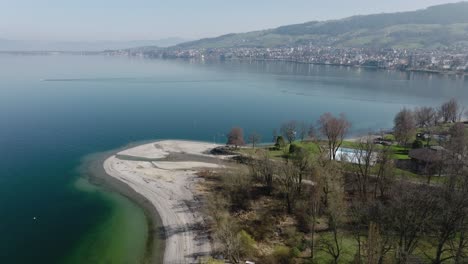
x=437, y=26
x=32, y=45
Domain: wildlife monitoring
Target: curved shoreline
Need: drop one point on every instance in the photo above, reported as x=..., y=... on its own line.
x=161, y=177
x=155, y=245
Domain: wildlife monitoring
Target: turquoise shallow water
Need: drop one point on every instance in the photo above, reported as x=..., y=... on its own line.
x=54, y=110
x=119, y=238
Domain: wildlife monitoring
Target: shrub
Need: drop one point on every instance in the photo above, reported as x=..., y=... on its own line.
x=282, y=254
x=293, y=238
x=280, y=143
x=262, y=227
x=295, y=252
x=303, y=218
x=211, y=260
x=389, y=138
x=308, y=261
x=247, y=244
x=293, y=148
x=418, y=144
x=237, y=185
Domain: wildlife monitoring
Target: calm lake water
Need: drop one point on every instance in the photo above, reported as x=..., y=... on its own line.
x=55, y=110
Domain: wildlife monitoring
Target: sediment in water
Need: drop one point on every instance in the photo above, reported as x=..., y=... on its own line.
x=92, y=168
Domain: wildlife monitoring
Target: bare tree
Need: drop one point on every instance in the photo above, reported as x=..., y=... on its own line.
x=254, y=139
x=302, y=129
x=425, y=116
x=374, y=243
x=280, y=143
x=454, y=160
x=335, y=214
x=236, y=137
x=412, y=209
x=333, y=245
x=458, y=139
x=449, y=111
x=334, y=129
x=314, y=215
x=216, y=207
x=381, y=236
x=451, y=225
x=301, y=158
x=405, y=127
x=225, y=229
x=459, y=244
x=289, y=131
x=358, y=224
x=461, y=112
x=226, y=235
x=263, y=170
x=365, y=158
x=289, y=183
x=452, y=206
x=385, y=172
x=312, y=132
x=237, y=185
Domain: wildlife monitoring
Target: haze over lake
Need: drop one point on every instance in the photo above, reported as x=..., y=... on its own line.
x=55, y=110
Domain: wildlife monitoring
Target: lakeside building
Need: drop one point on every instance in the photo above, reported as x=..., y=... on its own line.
x=441, y=60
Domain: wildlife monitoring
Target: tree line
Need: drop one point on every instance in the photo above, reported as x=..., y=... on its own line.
x=390, y=219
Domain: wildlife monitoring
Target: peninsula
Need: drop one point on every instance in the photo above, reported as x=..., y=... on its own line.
x=164, y=172
x=308, y=198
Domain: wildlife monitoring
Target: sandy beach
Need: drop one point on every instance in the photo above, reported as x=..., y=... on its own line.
x=164, y=173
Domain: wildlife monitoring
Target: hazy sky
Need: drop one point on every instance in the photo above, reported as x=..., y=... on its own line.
x=154, y=19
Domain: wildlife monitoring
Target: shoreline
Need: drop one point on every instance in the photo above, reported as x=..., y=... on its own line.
x=96, y=175
x=408, y=70
x=161, y=177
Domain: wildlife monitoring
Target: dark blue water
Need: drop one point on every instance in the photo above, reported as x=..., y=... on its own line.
x=54, y=110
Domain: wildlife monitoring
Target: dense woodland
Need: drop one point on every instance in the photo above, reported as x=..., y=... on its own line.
x=297, y=201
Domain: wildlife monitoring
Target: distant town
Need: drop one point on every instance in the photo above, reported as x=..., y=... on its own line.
x=453, y=60
x=447, y=60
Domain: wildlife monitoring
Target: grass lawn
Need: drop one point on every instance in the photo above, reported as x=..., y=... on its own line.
x=350, y=144
x=400, y=153
x=416, y=177
x=309, y=146
x=274, y=154
x=349, y=248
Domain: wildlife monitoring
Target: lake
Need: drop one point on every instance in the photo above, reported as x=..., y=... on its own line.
x=55, y=111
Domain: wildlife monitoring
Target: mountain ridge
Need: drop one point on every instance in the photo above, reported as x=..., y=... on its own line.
x=433, y=27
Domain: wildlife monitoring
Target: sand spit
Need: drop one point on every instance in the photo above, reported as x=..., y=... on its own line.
x=164, y=173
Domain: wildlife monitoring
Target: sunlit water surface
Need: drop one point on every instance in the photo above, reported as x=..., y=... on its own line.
x=55, y=110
